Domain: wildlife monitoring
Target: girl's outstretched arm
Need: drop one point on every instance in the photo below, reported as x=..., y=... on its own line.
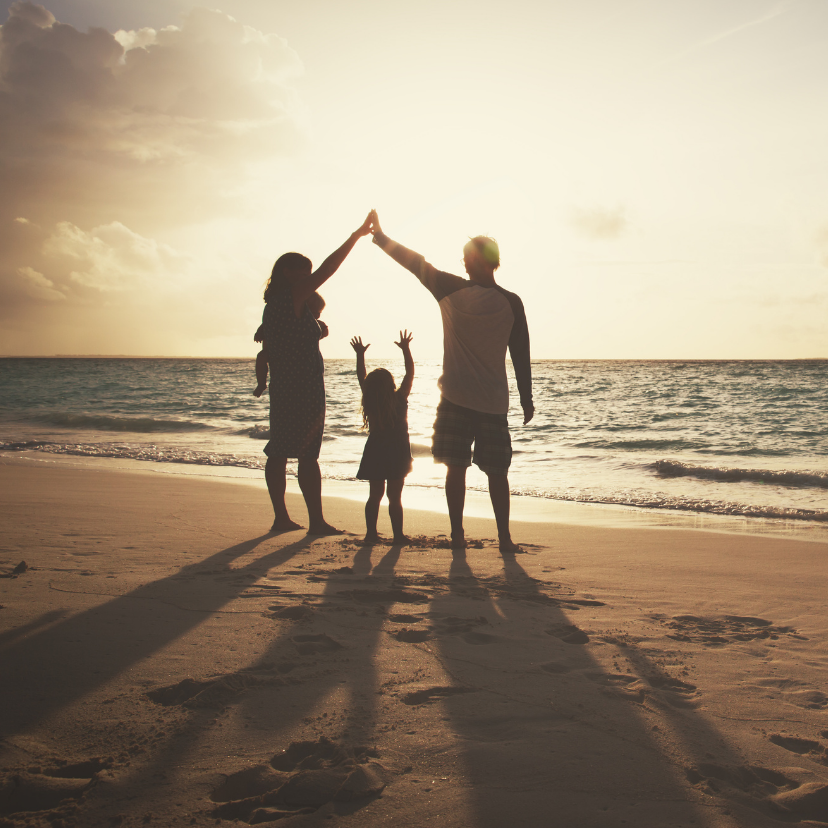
x=356, y=344
x=405, y=346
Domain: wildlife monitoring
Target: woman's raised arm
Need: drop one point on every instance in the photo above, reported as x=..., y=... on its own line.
x=305, y=286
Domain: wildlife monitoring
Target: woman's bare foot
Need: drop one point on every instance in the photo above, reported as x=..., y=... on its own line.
x=509, y=547
x=286, y=525
x=323, y=529
x=401, y=540
x=458, y=540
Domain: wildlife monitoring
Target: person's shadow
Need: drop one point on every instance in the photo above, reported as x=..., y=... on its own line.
x=57, y=660
x=539, y=721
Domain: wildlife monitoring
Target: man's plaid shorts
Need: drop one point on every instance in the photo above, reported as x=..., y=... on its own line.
x=456, y=428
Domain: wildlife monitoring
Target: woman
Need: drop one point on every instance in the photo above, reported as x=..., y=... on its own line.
x=297, y=384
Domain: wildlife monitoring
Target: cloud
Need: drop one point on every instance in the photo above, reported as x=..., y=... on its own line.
x=37, y=286
x=599, y=223
x=113, y=257
x=113, y=142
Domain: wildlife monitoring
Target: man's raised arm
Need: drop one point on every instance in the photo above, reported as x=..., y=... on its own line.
x=439, y=283
x=401, y=255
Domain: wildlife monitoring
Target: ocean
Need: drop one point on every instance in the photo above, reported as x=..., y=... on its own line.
x=735, y=438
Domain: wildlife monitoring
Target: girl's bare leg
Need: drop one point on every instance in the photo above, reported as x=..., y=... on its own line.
x=375, y=493
x=275, y=478
x=310, y=482
x=395, y=509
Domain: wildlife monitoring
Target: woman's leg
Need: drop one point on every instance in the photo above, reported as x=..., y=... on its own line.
x=395, y=509
x=375, y=493
x=310, y=482
x=275, y=479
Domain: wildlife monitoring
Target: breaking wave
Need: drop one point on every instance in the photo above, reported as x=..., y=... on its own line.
x=102, y=422
x=793, y=479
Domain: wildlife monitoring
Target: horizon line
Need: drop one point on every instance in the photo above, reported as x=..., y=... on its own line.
x=533, y=359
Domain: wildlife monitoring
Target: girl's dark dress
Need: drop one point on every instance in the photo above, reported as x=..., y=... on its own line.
x=297, y=379
x=387, y=453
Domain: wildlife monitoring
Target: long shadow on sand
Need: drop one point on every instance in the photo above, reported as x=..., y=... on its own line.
x=50, y=668
x=541, y=720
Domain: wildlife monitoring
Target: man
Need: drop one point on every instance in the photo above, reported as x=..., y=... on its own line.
x=480, y=320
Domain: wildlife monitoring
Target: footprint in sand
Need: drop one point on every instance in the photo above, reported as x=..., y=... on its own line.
x=402, y=618
x=50, y=792
x=568, y=633
x=296, y=613
x=754, y=780
x=385, y=596
x=213, y=693
x=300, y=780
x=412, y=636
x=639, y=688
x=725, y=629
x=804, y=747
x=792, y=691
x=431, y=694
x=792, y=801
x=809, y=801
x=478, y=638
x=315, y=644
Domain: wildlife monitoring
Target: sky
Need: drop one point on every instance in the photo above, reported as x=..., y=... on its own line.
x=653, y=171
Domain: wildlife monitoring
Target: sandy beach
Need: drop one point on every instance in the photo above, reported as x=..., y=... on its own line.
x=167, y=662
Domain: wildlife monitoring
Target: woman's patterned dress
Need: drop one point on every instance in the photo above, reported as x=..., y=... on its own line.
x=297, y=379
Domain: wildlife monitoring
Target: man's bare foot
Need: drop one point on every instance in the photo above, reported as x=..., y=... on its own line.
x=401, y=540
x=323, y=529
x=509, y=547
x=286, y=525
x=458, y=540
x=371, y=539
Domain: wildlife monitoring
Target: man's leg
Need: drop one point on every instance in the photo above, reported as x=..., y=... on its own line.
x=499, y=493
x=310, y=482
x=275, y=478
x=456, y=500
x=452, y=445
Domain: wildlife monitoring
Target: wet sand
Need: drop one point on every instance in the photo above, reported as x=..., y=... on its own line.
x=167, y=662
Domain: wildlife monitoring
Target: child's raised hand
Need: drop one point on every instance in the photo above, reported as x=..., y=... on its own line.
x=405, y=340
x=356, y=344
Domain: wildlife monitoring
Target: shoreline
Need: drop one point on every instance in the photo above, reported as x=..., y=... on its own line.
x=524, y=508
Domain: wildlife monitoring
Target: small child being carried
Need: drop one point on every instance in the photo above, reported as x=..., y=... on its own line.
x=387, y=454
x=315, y=304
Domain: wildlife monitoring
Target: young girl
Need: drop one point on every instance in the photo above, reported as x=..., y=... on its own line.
x=387, y=454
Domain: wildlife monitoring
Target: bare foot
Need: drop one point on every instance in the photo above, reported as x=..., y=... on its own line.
x=371, y=539
x=323, y=529
x=509, y=547
x=458, y=540
x=286, y=525
x=401, y=540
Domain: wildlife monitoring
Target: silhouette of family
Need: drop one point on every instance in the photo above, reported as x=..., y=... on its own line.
x=481, y=320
